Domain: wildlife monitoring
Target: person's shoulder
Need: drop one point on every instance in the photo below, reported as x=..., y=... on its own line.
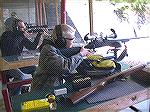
x=7, y=33
x=48, y=48
x=11, y=35
x=8, y=20
x=18, y=33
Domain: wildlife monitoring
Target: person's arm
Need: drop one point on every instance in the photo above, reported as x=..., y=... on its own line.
x=51, y=60
x=6, y=43
x=31, y=45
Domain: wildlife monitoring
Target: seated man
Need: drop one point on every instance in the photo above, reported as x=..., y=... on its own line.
x=52, y=63
x=13, y=42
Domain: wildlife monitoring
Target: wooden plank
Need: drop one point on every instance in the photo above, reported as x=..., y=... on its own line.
x=3, y=64
x=17, y=64
x=121, y=102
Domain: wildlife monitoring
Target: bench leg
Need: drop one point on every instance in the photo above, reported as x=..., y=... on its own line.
x=6, y=99
x=3, y=76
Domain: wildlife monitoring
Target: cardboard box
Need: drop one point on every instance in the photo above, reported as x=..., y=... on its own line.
x=32, y=106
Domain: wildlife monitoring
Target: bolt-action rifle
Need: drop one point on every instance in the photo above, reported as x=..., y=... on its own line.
x=101, y=41
x=80, y=95
x=36, y=29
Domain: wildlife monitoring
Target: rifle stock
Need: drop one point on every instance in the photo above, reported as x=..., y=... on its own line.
x=80, y=95
x=75, y=98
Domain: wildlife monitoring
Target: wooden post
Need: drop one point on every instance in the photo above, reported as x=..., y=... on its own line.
x=41, y=12
x=63, y=11
x=91, y=16
x=56, y=10
x=37, y=12
x=44, y=14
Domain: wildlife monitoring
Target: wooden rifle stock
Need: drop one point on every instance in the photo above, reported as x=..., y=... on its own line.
x=78, y=96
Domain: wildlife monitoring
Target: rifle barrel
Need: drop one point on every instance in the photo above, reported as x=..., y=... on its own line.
x=125, y=40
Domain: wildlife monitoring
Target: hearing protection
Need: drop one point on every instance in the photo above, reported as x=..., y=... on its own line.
x=15, y=25
x=60, y=41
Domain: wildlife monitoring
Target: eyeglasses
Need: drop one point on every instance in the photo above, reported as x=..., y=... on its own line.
x=22, y=27
x=69, y=38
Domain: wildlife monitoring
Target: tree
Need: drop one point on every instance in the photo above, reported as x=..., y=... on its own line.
x=139, y=7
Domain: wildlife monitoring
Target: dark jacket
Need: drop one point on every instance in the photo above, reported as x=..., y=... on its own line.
x=12, y=43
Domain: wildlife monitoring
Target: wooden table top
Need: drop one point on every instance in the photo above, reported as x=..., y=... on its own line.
x=13, y=64
x=121, y=102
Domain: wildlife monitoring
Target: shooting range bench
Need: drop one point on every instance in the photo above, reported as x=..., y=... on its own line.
x=14, y=103
x=13, y=62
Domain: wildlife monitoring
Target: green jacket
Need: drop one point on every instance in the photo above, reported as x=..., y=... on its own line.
x=52, y=65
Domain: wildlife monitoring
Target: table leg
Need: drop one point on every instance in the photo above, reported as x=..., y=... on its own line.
x=3, y=76
x=6, y=99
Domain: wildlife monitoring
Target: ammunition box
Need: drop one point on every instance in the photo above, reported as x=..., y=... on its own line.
x=81, y=83
x=36, y=105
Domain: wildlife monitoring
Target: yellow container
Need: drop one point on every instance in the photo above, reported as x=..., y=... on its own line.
x=35, y=105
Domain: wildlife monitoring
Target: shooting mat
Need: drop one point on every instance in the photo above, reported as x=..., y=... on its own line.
x=114, y=90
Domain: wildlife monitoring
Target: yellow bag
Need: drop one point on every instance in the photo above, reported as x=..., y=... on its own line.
x=99, y=61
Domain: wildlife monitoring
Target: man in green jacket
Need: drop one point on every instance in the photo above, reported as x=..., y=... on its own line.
x=52, y=63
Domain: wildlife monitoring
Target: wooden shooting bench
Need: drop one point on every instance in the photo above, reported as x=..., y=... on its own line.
x=13, y=62
x=14, y=103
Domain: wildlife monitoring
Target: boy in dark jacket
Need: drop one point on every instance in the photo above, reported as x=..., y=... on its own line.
x=52, y=63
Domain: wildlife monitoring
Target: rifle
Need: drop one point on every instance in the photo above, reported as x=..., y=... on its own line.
x=68, y=52
x=80, y=95
x=36, y=29
x=96, y=43
x=106, y=41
